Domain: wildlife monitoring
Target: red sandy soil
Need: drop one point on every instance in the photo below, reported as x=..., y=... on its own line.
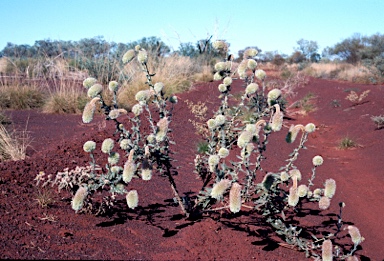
x=156, y=230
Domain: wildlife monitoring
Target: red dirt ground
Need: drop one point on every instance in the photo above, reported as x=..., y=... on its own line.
x=156, y=230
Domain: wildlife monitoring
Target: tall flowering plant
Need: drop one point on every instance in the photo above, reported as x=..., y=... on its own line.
x=233, y=170
x=131, y=152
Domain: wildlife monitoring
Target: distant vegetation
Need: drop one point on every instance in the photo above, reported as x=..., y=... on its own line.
x=48, y=74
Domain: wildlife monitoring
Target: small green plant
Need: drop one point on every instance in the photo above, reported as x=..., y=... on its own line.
x=347, y=143
x=202, y=147
x=44, y=198
x=379, y=120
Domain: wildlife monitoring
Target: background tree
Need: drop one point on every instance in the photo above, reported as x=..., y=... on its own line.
x=308, y=49
x=349, y=49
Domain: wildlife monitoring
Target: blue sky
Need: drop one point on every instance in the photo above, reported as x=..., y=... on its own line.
x=269, y=24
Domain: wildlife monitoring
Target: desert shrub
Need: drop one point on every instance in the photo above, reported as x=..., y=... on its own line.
x=231, y=163
x=379, y=120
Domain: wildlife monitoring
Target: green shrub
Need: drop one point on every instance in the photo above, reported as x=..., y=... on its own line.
x=347, y=143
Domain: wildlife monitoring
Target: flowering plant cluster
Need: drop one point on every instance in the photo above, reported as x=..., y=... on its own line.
x=233, y=169
x=133, y=153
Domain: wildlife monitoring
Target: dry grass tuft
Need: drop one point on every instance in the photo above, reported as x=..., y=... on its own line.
x=68, y=100
x=13, y=145
x=21, y=97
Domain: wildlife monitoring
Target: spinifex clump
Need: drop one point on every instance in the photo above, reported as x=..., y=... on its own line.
x=233, y=169
x=133, y=153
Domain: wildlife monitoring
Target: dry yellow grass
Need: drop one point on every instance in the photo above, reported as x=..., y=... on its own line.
x=340, y=71
x=3, y=65
x=177, y=73
x=13, y=145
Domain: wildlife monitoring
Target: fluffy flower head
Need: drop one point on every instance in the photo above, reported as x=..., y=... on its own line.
x=78, y=199
x=132, y=199
x=327, y=250
x=274, y=94
x=143, y=96
x=89, y=110
x=217, y=76
x=330, y=188
x=355, y=235
x=142, y=56
x=220, y=45
x=158, y=87
x=235, y=198
x=137, y=109
x=222, y=87
x=128, y=56
x=220, y=120
x=213, y=160
x=249, y=53
x=317, y=161
x=113, y=158
x=251, y=88
x=219, y=188
x=293, y=197
x=244, y=138
x=227, y=81
x=251, y=64
x=324, y=203
x=87, y=83
x=310, y=127
x=113, y=86
x=260, y=74
x=94, y=90
x=107, y=145
x=89, y=146
x=211, y=124
x=223, y=152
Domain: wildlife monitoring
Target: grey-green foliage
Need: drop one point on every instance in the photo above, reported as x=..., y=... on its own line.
x=358, y=48
x=232, y=168
x=130, y=152
x=379, y=120
x=236, y=158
